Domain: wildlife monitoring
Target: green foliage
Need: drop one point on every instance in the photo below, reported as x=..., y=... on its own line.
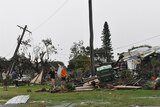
x=106, y=43
x=149, y=85
x=155, y=61
x=99, y=54
x=78, y=49
x=157, y=85
x=4, y=63
x=79, y=62
x=79, y=57
x=70, y=86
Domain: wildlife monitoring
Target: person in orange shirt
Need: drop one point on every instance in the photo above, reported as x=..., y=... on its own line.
x=63, y=78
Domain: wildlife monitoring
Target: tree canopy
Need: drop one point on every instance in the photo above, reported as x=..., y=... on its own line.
x=106, y=44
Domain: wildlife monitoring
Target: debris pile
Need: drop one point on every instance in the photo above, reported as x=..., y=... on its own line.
x=134, y=69
x=138, y=68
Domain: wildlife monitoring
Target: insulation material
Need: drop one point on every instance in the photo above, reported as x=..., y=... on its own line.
x=131, y=64
x=59, y=70
x=38, y=78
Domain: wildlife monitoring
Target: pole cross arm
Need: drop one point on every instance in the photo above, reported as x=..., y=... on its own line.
x=23, y=29
x=18, y=45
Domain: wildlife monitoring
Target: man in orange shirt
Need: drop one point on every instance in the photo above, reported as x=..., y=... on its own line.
x=63, y=78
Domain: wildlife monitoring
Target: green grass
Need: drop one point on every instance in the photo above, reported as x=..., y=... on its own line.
x=97, y=98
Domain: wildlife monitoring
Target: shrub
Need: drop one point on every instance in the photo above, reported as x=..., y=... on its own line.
x=70, y=86
x=149, y=85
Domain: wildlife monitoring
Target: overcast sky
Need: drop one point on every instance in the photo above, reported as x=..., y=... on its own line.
x=66, y=21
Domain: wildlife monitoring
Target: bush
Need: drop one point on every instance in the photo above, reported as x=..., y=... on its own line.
x=149, y=85
x=70, y=86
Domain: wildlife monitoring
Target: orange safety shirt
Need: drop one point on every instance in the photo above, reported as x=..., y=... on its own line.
x=64, y=72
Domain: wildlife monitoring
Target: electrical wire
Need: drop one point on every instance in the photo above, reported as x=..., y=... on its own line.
x=124, y=46
x=11, y=50
x=51, y=16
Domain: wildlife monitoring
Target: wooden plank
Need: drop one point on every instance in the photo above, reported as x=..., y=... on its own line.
x=85, y=87
x=127, y=87
x=83, y=90
x=90, y=82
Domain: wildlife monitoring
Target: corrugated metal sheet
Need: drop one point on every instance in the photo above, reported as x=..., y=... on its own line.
x=133, y=57
x=18, y=99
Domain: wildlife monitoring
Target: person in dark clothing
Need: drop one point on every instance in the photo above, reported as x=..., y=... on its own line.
x=15, y=77
x=4, y=77
x=52, y=76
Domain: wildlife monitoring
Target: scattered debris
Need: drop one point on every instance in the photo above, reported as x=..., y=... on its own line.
x=126, y=87
x=22, y=99
x=42, y=90
x=84, y=88
x=29, y=90
x=37, y=79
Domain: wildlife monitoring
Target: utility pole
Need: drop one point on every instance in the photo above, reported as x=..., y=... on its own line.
x=20, y=40
x=91, y=38
x=18, y=45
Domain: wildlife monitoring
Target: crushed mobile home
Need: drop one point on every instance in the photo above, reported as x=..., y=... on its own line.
x=144, y=60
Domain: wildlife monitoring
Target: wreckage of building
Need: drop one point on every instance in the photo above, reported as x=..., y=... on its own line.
x=143, y=60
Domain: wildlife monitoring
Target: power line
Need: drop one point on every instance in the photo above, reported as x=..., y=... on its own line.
x=51, y=16
x=11, y=50
x=16, y=41
x=124, y=46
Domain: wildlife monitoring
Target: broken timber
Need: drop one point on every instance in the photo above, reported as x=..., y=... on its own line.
x=84, y=88
x=126, y=87
x=87, y=86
